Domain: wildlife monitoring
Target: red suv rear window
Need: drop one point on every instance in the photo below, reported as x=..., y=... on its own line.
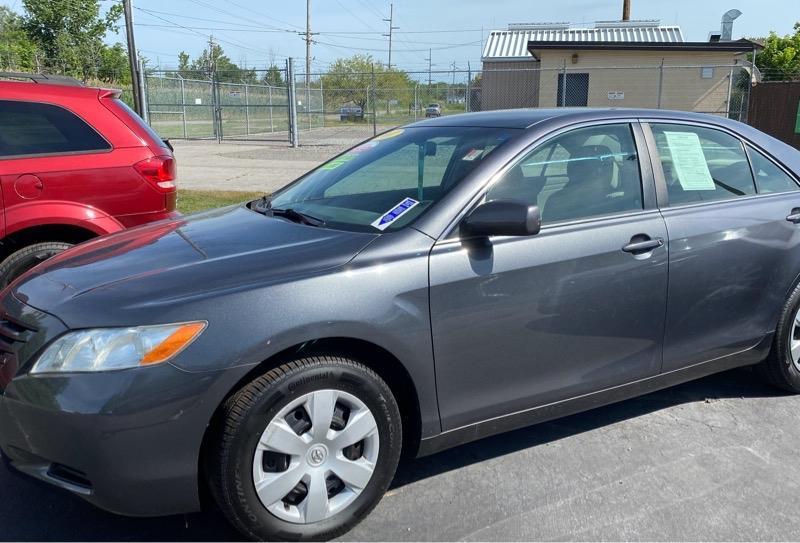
x=138, y=125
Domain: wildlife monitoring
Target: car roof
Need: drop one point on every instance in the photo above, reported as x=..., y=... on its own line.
x=44, y=89
x=526, y=118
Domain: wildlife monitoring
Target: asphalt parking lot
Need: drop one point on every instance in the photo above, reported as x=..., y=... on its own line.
x=716, y=459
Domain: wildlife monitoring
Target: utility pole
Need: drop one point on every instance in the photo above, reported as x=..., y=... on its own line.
x=429, y=59
x=626, y=10
x=132, y=59
x=390, y=20
x=211, y=60
x=308, y=44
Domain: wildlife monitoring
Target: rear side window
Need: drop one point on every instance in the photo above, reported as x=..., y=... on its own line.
x=769, y=177
x=702, y=164
x=32, y=128
x=143, y=129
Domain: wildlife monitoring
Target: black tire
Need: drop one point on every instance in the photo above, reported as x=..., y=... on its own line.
x=778, y=369
x=244, y=418
x=26, y=258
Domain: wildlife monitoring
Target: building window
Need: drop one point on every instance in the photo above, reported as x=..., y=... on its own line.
x=707, y=72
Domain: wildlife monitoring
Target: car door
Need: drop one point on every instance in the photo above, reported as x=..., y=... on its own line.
x=519, y=322
x=730, y=243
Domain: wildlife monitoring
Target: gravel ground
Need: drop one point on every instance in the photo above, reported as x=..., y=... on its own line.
x=716, y=459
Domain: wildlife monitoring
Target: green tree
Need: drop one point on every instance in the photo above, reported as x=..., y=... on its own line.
x=273, y=77
x=70, y=35
x=17, y=51
x=780, y=58
x=351, y=80
x=225, y=69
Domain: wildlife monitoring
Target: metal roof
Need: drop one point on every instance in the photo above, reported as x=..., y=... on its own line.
x=512, y=44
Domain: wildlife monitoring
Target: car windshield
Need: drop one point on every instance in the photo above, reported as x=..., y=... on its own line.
x=387, y=182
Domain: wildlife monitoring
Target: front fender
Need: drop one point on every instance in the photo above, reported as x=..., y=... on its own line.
x=39, y=213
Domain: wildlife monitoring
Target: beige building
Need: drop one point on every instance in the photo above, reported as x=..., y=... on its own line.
x=613, y=64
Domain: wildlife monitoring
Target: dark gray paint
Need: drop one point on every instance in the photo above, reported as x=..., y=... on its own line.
x=523, y=329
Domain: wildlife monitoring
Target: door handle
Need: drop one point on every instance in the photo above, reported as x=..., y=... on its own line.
x=794, y=216
x=644, y=246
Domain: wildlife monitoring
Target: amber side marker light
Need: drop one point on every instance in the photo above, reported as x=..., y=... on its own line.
x=175, y=343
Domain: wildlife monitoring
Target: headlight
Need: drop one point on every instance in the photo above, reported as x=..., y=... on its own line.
x=105, y=349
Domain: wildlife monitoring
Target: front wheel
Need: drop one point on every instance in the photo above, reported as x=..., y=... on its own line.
x=26, y=258
x=782, y=366
x=306, y=450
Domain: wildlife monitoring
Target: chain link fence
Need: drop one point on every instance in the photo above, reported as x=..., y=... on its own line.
x=183, y=108
x=341, y=109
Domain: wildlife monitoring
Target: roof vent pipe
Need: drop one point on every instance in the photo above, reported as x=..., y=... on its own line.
x=726, y=30
x=626, y=10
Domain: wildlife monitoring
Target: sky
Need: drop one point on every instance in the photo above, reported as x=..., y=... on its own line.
x=260, y=32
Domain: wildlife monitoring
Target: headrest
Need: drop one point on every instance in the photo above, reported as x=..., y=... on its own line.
x=591, y=162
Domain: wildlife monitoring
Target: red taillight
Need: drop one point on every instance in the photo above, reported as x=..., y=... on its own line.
x=161, y=171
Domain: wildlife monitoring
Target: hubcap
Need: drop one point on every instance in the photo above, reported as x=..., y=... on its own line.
x=316, y=456
x=794, y=340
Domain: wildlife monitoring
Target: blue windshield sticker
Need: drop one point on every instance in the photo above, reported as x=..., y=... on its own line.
x=395, y=213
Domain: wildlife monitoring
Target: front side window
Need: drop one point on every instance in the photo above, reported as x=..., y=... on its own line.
x=769, y=177
x=702, y=164
x=390, y=180
x=582, y=173
x=31, y=128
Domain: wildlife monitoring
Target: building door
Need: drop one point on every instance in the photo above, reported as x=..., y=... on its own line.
x=577, y=94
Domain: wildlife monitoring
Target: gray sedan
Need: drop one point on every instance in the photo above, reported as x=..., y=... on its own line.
x=437, y=284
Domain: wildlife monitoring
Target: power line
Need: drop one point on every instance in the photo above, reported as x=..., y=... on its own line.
x=230, y=14
x=217, y=28
x=453, y=46
x=263, y=31
x=173, y=23
x=355, y=15
x=260, y=14
x=372, y=8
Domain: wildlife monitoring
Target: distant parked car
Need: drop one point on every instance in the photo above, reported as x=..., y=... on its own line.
x=351, y=113
x=75, y=163
x=433, y=110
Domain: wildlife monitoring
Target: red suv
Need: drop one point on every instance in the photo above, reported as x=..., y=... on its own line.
x=75, y=163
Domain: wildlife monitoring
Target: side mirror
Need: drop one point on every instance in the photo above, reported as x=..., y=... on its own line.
x=503, y=218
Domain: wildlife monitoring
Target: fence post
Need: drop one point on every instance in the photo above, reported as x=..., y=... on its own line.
x=564, y=85
x=183, y=106
x=308, y=100
x=374, y=108
x=214, y=117
x=467, y=104
x=246, y=110
x=292, y=103
x=416, y=90
x=145, y=106
x=660, y=83
x=322, y=102
x=271, y=124
x=730, y=95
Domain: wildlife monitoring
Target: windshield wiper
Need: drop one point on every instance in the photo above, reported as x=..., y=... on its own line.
x=297, y=216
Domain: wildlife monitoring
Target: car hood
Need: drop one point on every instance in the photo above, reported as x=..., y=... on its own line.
x=174, y=262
